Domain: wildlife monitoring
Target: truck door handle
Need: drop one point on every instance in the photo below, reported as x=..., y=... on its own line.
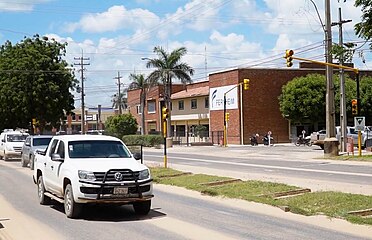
x=44, y=164
x=51, y=167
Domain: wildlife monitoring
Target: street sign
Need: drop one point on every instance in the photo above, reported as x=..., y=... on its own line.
x=359, y=123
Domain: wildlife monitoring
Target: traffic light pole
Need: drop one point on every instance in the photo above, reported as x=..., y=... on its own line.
x=357, y=80
x=245, y=83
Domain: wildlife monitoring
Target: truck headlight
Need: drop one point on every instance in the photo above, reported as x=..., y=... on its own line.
x=9, y=148
x=144, y=174
x=86, y=175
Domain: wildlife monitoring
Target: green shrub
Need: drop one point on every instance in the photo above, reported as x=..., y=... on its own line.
x=145, y=140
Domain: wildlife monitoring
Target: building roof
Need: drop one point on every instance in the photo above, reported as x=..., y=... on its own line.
x=188, y=93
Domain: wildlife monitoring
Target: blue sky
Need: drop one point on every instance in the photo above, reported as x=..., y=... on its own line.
x=218, y=34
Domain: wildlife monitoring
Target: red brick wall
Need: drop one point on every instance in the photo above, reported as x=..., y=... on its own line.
x=260, y=103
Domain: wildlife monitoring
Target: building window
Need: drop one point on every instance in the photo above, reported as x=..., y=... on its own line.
x=206, y=102
x=194, y=104
x=139, y=109
x=151, y=107
x=181, y=105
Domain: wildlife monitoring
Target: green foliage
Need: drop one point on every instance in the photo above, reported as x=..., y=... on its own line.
x=343, y=53
x=201, y=131
x=364, y=28
x=366, y=98
x=145, y=140
x=331, y=204
x=121, y=125
x=35, y=82
x=304, y=98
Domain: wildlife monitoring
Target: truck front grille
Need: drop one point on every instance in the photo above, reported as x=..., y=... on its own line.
x=17, y=149
x=126, y=176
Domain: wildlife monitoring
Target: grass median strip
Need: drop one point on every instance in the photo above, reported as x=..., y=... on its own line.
x=332, y=204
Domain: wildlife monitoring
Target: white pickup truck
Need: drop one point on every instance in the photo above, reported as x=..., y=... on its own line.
x=82, y=169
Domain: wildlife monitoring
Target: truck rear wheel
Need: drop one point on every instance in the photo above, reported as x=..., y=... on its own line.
x=43, y=200
x=142, y=208
x=72, y=209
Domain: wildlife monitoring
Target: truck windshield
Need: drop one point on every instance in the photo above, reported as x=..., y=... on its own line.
x=41, y=141
x=16, y=138
x=97, y=149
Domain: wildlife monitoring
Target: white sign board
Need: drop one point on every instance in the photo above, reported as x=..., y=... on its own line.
x=359, y=123
x=216, y=97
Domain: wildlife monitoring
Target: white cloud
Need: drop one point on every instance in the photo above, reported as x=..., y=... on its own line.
x=20, y=5
x=114, y=19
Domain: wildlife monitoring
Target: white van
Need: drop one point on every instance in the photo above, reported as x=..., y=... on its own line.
x=11, y=143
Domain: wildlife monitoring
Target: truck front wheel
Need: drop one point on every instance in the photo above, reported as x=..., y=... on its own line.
x=72, y=209
x=142, y=208
x=43, y=200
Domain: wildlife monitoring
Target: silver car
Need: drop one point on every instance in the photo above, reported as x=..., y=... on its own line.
x=33, y=143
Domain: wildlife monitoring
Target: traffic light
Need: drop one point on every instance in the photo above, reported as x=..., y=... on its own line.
x=288, y=57
x=164, y=114
x=354, y=107
x=246, y=84
x=227, y=116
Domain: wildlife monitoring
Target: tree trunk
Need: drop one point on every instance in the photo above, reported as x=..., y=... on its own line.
x=143, y=122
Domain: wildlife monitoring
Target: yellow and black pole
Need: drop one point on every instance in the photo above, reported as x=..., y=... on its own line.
x=164, y=118
x=225, y=114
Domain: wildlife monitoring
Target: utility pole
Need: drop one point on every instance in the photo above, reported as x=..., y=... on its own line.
x=343, y=116
x=82, y=69
x=330, y=142
x=119, y=95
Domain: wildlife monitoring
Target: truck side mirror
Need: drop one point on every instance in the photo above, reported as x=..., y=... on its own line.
x=137, y=156
x=56, y=157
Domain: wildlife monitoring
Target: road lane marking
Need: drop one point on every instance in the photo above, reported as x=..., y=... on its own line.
x=265, y=166
x=188, y=230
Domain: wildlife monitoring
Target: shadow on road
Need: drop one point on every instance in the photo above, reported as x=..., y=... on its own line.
x=111, y=213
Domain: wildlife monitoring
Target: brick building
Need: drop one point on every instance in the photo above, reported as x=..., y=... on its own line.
x=253, y=111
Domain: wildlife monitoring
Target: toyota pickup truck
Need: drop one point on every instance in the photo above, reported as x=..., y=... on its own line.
x=91, y=169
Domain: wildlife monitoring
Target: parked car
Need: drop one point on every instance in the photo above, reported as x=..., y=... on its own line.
x=30, y=146
x=317, y=138
x=11, y=143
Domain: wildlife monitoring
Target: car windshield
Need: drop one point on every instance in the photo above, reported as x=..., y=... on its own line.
x=41, y=141
x=16, y=138
x=97, y=149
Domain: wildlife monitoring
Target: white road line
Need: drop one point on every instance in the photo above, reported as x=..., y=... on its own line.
x=188, y=230
x=271, y=167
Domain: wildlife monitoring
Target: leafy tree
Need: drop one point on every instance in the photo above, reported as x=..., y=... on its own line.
x=143, y=84
x=365, y=99
x=169, y=67
x=304, y=98
x=364, y=28
x=119, y=101
x=120, y=125
x=35, y=82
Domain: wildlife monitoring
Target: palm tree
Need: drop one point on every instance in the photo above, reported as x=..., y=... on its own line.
x=119, y=101
x=143, y=84
x=168, y=67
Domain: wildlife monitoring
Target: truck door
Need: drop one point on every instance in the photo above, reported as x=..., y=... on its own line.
x=55, y=170
x=48, y=166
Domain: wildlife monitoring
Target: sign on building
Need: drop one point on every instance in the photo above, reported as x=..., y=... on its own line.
x=216, y=97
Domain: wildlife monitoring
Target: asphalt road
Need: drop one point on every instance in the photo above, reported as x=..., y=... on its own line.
x=303, y=166
x=176, y=214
